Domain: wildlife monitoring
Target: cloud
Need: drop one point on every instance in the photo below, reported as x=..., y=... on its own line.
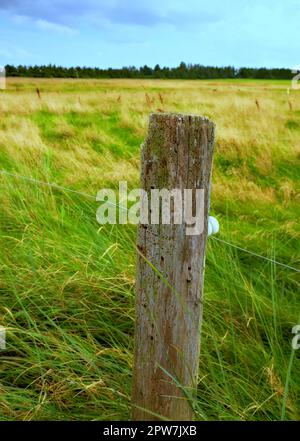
x=45, y=25
x=55, y=11
x=150, y=31
x=11, y=52
x=127, y=12
x=156, y=12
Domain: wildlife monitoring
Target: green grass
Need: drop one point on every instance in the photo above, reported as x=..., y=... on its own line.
x=67, y=283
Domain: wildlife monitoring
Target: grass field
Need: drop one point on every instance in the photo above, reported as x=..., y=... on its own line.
x=67, y=284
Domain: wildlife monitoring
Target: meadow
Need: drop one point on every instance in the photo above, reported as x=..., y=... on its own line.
x=67, y=283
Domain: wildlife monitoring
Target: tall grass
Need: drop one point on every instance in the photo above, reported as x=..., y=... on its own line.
x=67, y=283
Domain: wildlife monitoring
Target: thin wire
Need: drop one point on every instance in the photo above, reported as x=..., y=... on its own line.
x=256, y=255
x=57, y=187
x=49, y=184
x=60, y=187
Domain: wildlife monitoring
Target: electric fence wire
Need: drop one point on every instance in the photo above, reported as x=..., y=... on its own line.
x=60, y=187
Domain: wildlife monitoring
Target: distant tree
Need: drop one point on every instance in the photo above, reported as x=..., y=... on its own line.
x=183, y=71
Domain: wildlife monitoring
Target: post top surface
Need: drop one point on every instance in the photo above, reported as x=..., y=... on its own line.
x=181, y=116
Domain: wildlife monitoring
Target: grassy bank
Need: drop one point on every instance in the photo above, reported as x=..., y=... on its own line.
x=67, y=284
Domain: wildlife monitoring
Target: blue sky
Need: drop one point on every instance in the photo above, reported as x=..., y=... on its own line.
x=120, y=33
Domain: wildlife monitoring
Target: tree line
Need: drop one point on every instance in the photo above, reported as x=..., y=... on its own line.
x=183, y=71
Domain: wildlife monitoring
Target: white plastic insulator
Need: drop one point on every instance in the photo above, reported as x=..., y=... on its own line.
x=213, y=226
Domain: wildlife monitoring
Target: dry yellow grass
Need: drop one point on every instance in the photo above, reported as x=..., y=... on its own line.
x=67, y=284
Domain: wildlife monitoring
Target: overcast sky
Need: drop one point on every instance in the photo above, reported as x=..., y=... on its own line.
x=136, y=32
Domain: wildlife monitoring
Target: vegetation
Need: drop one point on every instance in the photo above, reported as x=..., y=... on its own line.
x=67, y=283
x=183, y=71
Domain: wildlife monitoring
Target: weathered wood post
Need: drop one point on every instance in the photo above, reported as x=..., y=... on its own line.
x=177, y=154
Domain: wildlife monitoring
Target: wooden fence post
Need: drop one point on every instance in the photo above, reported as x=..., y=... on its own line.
x=177, y=154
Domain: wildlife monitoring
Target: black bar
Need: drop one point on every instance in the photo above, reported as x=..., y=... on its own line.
x=105, y=430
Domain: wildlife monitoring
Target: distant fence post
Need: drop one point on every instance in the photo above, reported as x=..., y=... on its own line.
x=177, y=154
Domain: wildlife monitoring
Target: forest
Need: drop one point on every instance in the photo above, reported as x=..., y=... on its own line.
x=183, y=71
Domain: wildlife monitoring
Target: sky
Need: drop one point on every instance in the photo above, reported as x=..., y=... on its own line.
x=116, y=33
